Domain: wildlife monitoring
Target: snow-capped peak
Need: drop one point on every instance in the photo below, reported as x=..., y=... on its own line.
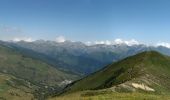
x=164, y=44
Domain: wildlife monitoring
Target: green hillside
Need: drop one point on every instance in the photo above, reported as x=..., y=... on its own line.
x=111, y=96
x=45, y=77
x=12, y=88
x=145, y=72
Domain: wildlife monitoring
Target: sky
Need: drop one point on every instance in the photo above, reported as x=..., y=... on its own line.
x=146, y=21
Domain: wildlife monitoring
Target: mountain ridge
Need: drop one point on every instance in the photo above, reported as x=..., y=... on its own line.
x=143, y=68
x=83, y=59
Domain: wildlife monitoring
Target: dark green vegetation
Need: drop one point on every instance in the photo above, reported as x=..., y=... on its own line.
x=40, y=77
x=145, y=72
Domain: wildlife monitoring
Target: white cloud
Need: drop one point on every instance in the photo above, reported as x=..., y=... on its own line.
x=164, y=44
x=60, y=39
x=88, y=43
x=99, y=42
x=116, y=41
x=26, y=39
x=127, y=42
x=107, y=42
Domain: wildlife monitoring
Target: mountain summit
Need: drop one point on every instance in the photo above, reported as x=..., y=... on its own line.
x=147, y=71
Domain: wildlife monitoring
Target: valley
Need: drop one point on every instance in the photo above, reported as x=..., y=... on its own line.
x=134, y=71
x=32, y=74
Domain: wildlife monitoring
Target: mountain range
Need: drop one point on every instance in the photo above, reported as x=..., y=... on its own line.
x=78, y=57
x=36, y=70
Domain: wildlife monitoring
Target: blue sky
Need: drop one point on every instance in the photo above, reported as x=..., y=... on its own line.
x=147, y=21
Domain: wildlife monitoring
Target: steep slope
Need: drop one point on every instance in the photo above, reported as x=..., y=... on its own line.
x=45, y=77
x=148, y=71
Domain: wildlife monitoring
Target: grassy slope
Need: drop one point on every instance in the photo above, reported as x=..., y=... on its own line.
x=30, y=69
x=36, y=72
x=112, y=96
x=12, y=88
x=150, y=68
